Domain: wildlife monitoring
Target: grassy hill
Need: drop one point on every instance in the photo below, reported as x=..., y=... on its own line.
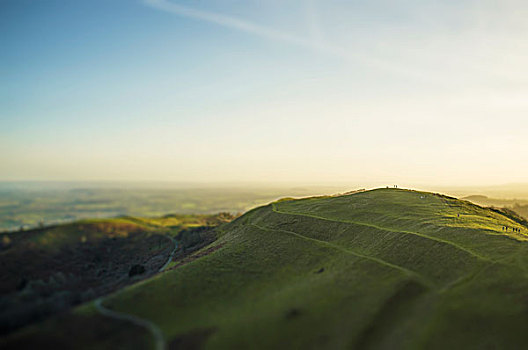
x=382, y=269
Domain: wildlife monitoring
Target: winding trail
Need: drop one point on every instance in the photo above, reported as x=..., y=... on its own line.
x=149, y=325
x=157, y=334
x=460, y=281
x=402, y=269
x=470, y=252
x=171, y=254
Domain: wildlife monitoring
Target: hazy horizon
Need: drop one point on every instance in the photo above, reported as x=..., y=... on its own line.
x=420, y=93
x=502, y=191
x=32, y=204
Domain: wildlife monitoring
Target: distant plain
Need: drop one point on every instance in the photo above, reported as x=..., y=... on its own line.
x=32, y=204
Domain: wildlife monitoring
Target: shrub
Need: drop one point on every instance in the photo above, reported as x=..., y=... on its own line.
x=136, y=270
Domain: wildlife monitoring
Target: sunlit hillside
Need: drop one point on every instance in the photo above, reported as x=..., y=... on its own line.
x=386, y=268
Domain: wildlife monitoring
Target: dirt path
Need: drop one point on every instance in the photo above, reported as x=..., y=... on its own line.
x=149, y=325
x=277, y=210
x=171, y=254
x=157, y=334
x=402, y=269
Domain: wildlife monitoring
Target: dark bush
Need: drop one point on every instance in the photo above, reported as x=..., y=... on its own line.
x=136, y=270
x=22, y=284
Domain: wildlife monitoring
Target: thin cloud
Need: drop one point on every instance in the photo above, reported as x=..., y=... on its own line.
x=227, y=21
x=276, y=35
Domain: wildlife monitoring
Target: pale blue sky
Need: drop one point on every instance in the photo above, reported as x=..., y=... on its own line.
x=429, y=92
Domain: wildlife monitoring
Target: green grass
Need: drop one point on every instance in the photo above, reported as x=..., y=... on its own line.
x=81, y=331
x=402, y=270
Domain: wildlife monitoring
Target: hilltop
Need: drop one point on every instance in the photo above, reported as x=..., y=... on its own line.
x=386, y=268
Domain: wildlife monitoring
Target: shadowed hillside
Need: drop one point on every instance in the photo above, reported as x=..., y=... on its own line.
x=388, y=268
x=46, y=271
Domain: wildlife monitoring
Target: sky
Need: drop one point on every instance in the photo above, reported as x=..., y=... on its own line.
x=311, y=91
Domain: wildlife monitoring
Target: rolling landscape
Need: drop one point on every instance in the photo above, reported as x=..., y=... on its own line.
x=27, y=205
x=385, y=268
x=301, y=174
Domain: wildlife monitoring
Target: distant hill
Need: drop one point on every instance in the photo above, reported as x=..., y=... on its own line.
x=519, y=206
x=476, y=198
x=514, y=190
x=381, y=269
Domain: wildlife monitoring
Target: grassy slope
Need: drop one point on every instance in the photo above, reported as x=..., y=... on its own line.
x=380, y=269
x=83, y=330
